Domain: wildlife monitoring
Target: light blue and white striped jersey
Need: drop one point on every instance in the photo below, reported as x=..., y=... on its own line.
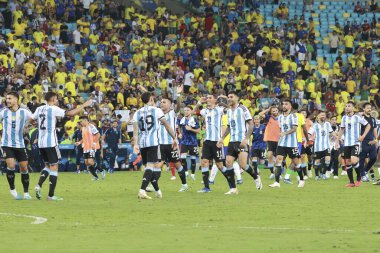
x=351, y=125
x=13, y=127
x=333, y=138
x=46, y=116
x=164, y=136
x=322, y=133
x=286, y=124
x=213, y=120
x=149, y=121
x=237, y=121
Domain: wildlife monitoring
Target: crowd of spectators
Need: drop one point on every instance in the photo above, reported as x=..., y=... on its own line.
x=80, y=48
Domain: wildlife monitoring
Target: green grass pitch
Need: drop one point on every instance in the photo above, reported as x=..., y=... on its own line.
x=106, y=216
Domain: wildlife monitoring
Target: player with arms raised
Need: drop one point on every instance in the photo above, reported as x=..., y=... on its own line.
x=46, y=116
x=168, y=153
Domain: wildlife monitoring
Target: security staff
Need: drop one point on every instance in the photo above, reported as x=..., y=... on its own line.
x=369, y=144
x=112, y=137
x=77, y=137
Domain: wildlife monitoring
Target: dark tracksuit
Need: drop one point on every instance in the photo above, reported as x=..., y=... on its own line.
x=112, y=137
x=368, y=150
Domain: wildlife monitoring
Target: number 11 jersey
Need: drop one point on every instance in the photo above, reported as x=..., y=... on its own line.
x=46, y=116
x=148, y=119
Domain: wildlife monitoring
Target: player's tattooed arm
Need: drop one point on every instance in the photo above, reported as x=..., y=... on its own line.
x=294, y=129
x=135, y=134
x=225, y=133
x=178, y=104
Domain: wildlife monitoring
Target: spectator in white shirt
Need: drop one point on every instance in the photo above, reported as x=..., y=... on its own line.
x=189, y=76
x=98, y=95
x=334, y=42
x=77, y=36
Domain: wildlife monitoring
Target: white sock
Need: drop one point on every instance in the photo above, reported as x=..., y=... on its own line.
x=378, y=170
x=213, y=173
x=237, y=171
x=287, y=176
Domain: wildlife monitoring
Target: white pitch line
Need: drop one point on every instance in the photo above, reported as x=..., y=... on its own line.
x=199, y=225
x=301, y=229
x=37, y=220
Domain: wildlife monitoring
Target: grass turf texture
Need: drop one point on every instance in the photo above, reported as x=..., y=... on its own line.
x=106, y=216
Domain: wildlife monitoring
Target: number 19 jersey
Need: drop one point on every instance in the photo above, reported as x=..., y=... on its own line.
x=46, y=116
x=148, y=119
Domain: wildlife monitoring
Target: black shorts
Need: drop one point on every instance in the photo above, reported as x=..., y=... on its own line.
x=150, y=154
x=259, y=153
x=287, y=151
x=18, y=154
x=50, y=155
x=272, y=146
x=306, y=151
x=234, y=149
x=349, y=50
x=89, y=155
x=190, y=150
x=211, y=152
x=322, y=154
x=349, y=151
x=168, y=154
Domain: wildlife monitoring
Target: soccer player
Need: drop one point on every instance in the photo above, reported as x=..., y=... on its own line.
x=321, y=130
x=189, y=128
x=306, y=151
x=214, y=170
x=271, y=135
x=369, y=145
x=334, y=164
x=302, y=139
x=210, y=151
x=168, y=154
x=350, y=129
x=258, y=143
x=90, y=143
x=287, y=145
x=146, y=129
x=240, y=126
x=47, y=115
x=14, y=118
